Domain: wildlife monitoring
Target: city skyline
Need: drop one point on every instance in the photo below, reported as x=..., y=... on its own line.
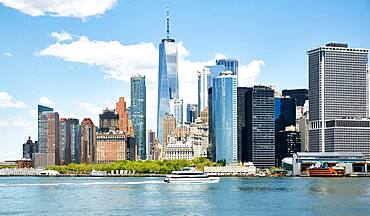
x=76, y=85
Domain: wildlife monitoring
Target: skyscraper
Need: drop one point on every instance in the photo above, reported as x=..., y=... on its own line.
x=138, y=113
x=256, y=133
x=229, y=64
x=205, y=77
x=88, y=141
x=168, y=82
x=65, y=140
x=338, y=94
x=75, y=140
x=177, y=110
x=224, y=116
x=49, y=145
x=122, y=114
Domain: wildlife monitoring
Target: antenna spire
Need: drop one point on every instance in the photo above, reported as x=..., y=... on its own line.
x=168, y=23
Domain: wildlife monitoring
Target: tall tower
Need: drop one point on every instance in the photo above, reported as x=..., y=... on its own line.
x=224, y=117
x=138, y=113
x=338, y=93
x=122, y=114
x=168, y=82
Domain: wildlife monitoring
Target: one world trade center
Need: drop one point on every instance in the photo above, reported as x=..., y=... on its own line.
x=168, y=82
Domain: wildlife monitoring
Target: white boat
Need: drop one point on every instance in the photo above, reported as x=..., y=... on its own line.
x=190, y=175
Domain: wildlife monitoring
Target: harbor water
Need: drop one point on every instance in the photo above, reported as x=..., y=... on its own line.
x=151, y=196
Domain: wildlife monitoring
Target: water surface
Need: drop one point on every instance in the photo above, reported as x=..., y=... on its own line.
x=151, y=196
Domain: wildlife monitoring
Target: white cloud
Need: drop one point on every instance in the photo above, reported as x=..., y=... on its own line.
x=248, y=74
x=61, y=36
x=120, y=62
x=6, y=101
x=89, y=108
x=61, y=8
x=8, y=54
x=45, y=101
x=27, y=127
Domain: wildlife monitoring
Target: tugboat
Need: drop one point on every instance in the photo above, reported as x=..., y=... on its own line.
x=190, y=175
x=334, y=171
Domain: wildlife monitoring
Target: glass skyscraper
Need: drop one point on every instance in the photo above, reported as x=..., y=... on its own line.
x=138, y=113
x=229, y=64
x=168, y=82
x=224, y=117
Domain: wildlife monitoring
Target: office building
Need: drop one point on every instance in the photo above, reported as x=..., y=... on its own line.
x=168, y=82
x=287, y=142
x=177, y=110
x=169, y=127
x=122, y=114
x=256, y=125
x=300, y=95
x=110, y=147
x=88, y=141
x=48, y=134
x=108, y=121
x=138, y=113
x=177, y=150
x=191, y=112
x=338, y=93
x=224, y=117
x=151, y=138
x=229, y=65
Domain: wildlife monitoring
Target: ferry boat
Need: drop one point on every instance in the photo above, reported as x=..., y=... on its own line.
x=326, y=171
x=190, y=175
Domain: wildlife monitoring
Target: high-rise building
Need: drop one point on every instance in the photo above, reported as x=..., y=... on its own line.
x=300, y=95
x=65, y=140
x=168, y=82
x=75, y=129
x=169, y=128
x=122, y=114
x=203, y=85
x=108, y=120
x=177, y=110
x=285, y=116
x=257, y=126
x=70, y=140
x=30, y=148
x=49, y=146
x=338, y=94
x=191, y=112
x=224, y=116
x=88, y=141
x=138, y=113
x=229, y=64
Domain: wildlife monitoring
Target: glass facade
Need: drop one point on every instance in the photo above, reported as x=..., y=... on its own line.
x=224, y=117
x=138, y=113
x=177, y=110
x=168, y=82
x=229, y=64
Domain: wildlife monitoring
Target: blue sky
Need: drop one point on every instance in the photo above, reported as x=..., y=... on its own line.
x=100, y=46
